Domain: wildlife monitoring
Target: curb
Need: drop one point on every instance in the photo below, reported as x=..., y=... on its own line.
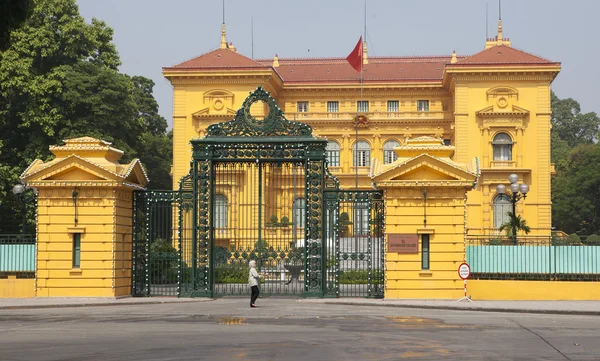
x=454, y=308
x=69, y=305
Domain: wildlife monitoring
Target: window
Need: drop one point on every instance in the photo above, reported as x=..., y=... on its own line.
x=333, y=107
x=502, y=206
x=389, y=156
x=502, y=145
x=333, y=154
x=76, y=250
x=361, y=154
x=299, y=212
x=362, y=106
x=423, y=105
x=302, y=107
x=393, y=106
x=220, y=211
x=447, y=141
x=361, y=217
x=424, y=251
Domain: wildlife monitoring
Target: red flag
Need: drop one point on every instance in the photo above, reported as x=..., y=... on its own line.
x=355, y=58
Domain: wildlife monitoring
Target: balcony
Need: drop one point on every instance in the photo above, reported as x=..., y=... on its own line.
x=372, y=116
x=503, y=164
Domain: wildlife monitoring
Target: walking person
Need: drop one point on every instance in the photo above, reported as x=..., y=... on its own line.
x=253, y=282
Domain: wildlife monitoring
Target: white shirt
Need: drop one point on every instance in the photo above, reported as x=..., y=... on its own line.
x=253, y=277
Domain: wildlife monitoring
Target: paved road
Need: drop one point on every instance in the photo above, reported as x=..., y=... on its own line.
x=285, y=329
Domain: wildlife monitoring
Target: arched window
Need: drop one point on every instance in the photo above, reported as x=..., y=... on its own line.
x=220, y=211
x=502, y=206
x=333, y=154
x=502, y=145
x=299, y=212
x=389, y=156
x=361, y=154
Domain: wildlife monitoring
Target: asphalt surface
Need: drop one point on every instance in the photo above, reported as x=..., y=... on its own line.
x=289, y=329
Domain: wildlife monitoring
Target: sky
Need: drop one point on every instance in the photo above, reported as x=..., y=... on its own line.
x=151, y=34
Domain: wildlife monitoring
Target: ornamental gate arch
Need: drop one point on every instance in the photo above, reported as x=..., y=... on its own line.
x=258, y=188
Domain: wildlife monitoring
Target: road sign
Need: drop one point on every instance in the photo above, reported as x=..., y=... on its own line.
x=464, y=271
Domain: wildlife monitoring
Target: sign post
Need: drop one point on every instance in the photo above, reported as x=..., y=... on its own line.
x=464, y=272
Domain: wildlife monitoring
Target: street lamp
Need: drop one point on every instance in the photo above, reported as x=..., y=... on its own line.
x=518, y=192
x=19, y=191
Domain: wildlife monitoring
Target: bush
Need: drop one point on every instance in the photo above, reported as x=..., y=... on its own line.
x=164, y=262
x=495, y=242
x=231, y=273
x=343, y=224
x=593, y=240
x=272, y=221
x=285, y=222
x=570, y=240
x=360, y=277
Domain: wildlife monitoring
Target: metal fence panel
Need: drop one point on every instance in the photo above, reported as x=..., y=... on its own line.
x=534, y=258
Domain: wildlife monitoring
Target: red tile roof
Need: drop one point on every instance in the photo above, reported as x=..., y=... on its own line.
x=219, y=58
x=378, y=69
x=503, y=55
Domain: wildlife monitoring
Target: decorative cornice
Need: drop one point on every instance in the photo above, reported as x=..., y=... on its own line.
x=478, y=77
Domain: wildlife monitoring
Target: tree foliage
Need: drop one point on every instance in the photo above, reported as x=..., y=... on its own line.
x=572, y=126
x=59, y=79
x=13, y=13
x=575, y=153
x=576, y=192
x=517, y=224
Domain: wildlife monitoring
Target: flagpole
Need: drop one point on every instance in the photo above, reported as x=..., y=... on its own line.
x=361, y=91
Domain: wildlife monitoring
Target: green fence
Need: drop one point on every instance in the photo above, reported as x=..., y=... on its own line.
x=17, y=255
x=533, y=259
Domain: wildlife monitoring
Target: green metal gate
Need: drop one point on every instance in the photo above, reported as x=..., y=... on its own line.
x=257, y=191
x=355, y=244
x=156, y=259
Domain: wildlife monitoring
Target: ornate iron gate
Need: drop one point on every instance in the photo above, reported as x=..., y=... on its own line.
x=256, y=190
x=355, y=255
x=156, y=259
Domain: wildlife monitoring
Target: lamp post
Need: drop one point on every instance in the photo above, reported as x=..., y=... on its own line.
x=518, y=192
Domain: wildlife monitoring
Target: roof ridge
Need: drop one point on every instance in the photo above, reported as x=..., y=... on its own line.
x=334, y=59
x=505, y=47
x=234, y=53
x=192, y=58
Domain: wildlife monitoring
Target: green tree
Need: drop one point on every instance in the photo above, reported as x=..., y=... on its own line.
x=59, y=79
x=570, y=125
x=514, y=225
x=13, y=13
x=575, y=200
x=576, y=192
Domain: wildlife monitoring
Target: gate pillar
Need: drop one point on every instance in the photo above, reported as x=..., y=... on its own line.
x=84, y=219
x=425, y=196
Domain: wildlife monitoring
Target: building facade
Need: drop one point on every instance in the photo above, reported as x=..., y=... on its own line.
x=493, y=106
x=436, y=133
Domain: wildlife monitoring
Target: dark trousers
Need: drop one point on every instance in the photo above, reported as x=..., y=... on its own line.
x=254, y=295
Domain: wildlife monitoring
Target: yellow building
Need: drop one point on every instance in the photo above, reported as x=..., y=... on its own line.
x=84, y=220
x=493, y=105
x=463, y=123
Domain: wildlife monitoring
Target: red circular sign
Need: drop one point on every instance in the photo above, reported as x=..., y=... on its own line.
x=464, y=271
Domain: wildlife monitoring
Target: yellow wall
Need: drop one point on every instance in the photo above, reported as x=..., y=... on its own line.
x=98, y=217
x=530, y=93
x=532, y=290
x=17, y=288
x=405, y=277
x=89, y=195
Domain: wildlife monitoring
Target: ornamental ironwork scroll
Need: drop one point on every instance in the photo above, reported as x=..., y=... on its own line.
x=245, y=124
